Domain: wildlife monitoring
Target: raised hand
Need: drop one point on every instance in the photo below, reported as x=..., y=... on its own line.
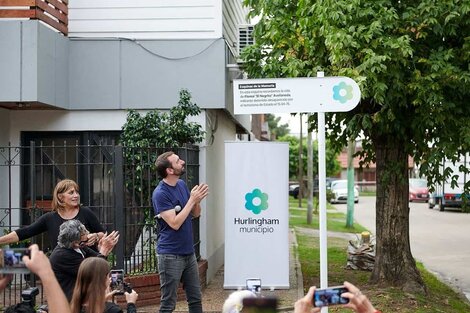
x=199, y=192
x=357, y=301
x=305, y=304
x=107, y=243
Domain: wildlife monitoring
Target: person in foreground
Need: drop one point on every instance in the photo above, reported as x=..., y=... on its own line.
x=174, y=208
x=92, y=289
x=65, y=206
x=357, y=301
x=71, y=250
x=38, y=263
x=234, y=302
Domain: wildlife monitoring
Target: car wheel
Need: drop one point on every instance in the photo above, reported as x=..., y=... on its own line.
x=356, y=201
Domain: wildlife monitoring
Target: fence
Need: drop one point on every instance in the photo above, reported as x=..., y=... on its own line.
x=115, y=182
x=52, y=12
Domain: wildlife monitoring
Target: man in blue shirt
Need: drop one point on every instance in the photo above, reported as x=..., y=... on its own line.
x=175, y=206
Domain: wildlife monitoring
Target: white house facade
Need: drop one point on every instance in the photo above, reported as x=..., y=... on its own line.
x=124, y=54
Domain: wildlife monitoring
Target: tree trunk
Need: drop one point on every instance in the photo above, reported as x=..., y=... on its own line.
x=394, y=263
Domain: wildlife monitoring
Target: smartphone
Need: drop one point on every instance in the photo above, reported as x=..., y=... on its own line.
x=260, y=305
x=11, y=261
x=117, y=281
x=329, y=296
x=253, y=284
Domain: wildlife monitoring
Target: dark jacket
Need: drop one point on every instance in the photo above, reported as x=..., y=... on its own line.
x=65, y=263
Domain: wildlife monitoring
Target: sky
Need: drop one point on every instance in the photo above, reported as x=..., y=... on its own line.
x=294, y=123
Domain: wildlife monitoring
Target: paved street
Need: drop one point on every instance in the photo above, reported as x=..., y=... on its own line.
x=441, y=240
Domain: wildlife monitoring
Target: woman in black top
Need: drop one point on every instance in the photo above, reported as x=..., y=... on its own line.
x=66, y=206
x=89, y=295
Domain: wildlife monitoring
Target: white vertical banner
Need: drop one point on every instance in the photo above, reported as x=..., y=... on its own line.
x=256, y=214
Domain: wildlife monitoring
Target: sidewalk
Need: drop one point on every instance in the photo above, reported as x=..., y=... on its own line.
x=214, y=295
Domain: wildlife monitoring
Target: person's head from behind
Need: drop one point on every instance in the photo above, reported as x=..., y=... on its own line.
x=234, y=302
x=72, y=234
x=20, y=308
x=169, y=163
x=90, y=288
x=66, y=195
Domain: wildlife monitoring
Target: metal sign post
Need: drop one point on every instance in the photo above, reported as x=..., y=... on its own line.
x=298, y=95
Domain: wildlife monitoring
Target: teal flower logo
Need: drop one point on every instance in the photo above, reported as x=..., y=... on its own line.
x=342, y=92
x=256, y=201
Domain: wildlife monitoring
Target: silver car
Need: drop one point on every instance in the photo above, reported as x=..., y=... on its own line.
x=339, y=190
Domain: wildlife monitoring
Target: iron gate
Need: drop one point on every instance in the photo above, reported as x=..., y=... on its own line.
x=115, y=182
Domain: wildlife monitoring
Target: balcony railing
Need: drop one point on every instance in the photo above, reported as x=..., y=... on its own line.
x=52, y=12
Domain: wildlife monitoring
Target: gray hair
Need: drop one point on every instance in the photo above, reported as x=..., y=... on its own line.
x=69, y=232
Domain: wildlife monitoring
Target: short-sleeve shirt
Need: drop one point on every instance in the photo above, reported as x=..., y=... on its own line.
x=170, y=241
x=51, y=221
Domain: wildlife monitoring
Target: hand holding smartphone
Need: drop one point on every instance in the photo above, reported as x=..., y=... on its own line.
x=330, y=296
x=11, y=261
x=117, y=281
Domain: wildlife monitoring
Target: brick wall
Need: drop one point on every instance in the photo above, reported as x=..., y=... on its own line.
x=148, y=287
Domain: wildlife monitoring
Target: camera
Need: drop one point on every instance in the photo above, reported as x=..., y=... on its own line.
x=11, y=261
x=118, y=283
x=330, y=296
x=254, y=285
x=28, y=296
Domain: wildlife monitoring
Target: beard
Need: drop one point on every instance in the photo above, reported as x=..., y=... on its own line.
x=179, y=172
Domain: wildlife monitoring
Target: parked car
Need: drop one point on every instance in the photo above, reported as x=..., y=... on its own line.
x=294, y=188
x=419, y=190
x=445, y=193
x=339, y=191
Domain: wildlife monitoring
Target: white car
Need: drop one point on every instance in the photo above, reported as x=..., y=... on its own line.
x=339, y=189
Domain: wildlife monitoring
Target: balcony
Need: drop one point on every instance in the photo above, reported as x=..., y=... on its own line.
x=53, y=13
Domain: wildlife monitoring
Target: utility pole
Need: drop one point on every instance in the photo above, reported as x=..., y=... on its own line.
x=350, y=203
x=301, y=172
x=309, y=174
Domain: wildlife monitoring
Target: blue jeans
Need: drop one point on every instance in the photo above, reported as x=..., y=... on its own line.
x=172, y=269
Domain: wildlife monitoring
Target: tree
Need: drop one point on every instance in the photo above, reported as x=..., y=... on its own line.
x=411, y=61
x=156, y=129
x=333, y=167
x=274, y=127
x=143, y=138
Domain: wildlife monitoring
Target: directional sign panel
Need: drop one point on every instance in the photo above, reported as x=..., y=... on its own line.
x=295, y=95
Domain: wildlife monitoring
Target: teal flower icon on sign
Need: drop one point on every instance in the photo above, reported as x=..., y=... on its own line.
x=256, y=201
x=342, y=92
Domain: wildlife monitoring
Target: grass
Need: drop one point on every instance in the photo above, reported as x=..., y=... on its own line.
x=367, y=194
x=335, y=221
x=440, y=298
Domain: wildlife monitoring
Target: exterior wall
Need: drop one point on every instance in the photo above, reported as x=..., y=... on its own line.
x=212, y=224
x=119, y=74
x=107, y=74
x=146, y=19
x=92, y=80
x=34, y=62
x=10, y=50
x=234, y=14
x=4, y=138
x=63, y=121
